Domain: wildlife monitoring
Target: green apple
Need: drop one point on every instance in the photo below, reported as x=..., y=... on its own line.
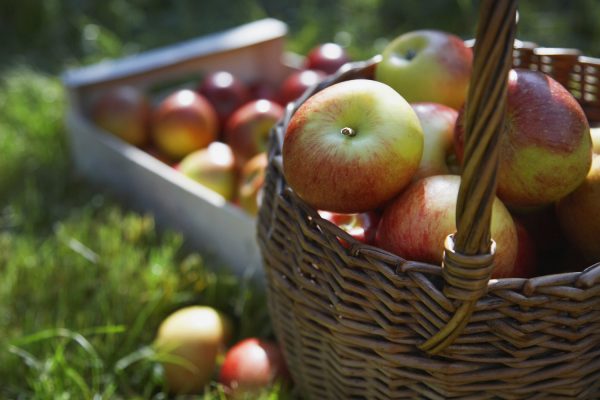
x=427, y=66
x=213, y=167
x=352, y=147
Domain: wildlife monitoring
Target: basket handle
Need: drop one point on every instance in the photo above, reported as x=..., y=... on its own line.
x=469, y=253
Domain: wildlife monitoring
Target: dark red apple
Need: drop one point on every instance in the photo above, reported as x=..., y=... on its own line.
x=252, y=365
x=184, y=122
x=327, y=57
x=125, y=112
x=298, y=82
x=527, y=258
x=248, y=128
x=361, y=226
x=546, y=150
x=225, y=92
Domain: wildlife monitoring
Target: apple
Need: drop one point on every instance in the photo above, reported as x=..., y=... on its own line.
x=352, y=147
x=251, y=183
x=248, y=128
x=361, y=226
x=595, y=133
x=188, y=342
x=298, y=82
x=526, y=262
x=437, y=121
x=263, y=90
x=125, y=112
x=183, y=122
x=579, y=214
x=213, y=167
x=546, y=150
x=225, y=92
x=326, y=57
x=415, y=224
x=427, y=66
x=252, y=365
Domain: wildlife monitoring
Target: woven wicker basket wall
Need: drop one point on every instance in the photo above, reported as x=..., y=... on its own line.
x=351, y=320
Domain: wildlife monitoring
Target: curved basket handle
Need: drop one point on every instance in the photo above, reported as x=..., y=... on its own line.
x=468, y=259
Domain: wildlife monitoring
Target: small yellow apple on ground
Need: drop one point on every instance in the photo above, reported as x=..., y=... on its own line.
x=189, y=341
x=213, y=167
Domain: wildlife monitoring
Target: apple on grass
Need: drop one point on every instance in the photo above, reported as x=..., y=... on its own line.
x=416, y=223
x=352, y=147
x=184, y=122
x=225, y=92
x=188, y=343
x=251, y=182
x=546, y=150
x=213, y=167
x=298, y=82
x=427, y=66
x=579, y=215
x=125, y=112
x=437, y=121
x=248, y=128
x=250, y=366
x=362, y=226
x=326, y=57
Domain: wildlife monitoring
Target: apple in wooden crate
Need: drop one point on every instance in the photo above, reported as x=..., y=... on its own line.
x=189, y=341
x=415, y=224
x=225, y=92
x=182, y=123
x=352, y=147
x=427, y=66
x=546, y=150
x=252, y=179
x=247, y=130
x=213, y=167
x=125, y=112
x=326, y=57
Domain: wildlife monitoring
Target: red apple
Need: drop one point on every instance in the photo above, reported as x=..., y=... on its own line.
x=352, y=147
x=579, y=215
x=213, y=167
x=361, y=227
x=189, y=341
x=437, y=121
x=125, y=112
x=183, y=122
x=526, y=262
x=416, y=223
x=546, y=151
x=298, y=82
x=225, y=92
x=251, y=183
x=326, y=57
x=250, y=366
x=264, y=90
x=427, y=66
x=248, y=128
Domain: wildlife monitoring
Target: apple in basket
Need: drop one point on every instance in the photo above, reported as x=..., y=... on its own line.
x=183, y=122
x=546, y=151
x=213, y=167
x=250, y=366
x=248, y=128
x=125, y=112
x=361, y=226
x=326, y=57
x=437, y=121
x=427, y=66
x=189, y=341
x=352, y=147
x=225, y=92
x=415, y=224
x=579, y=214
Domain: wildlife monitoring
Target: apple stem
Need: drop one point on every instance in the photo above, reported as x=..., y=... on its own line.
x=348, y=132
x=410, y=54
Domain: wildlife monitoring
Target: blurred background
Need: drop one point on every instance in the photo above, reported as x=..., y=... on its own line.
x=85, y=281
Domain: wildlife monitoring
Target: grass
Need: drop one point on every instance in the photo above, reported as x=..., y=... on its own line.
x=85, y=281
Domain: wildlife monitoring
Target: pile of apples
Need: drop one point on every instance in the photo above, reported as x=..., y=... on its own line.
x=194, y=347
x=216, y=132
x=381, y=158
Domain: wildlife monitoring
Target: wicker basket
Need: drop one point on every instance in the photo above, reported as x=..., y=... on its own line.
x=358, y=322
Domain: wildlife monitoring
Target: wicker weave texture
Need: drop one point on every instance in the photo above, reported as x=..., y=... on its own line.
x=350, y=319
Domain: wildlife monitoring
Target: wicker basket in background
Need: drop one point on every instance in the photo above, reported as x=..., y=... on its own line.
x=359, y=322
